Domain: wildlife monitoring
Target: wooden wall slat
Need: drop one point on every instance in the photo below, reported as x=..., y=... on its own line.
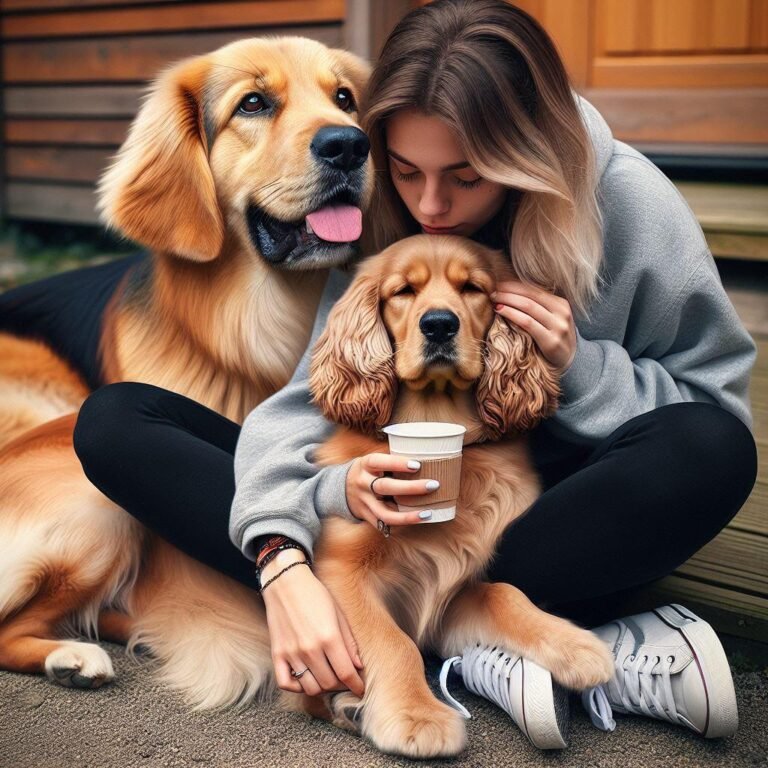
x=669, y=115
x=86, y=100
x=208, y=16
x=51, y=202
x=130, y=58
x=20, y=6
x=75, y=164
x=734, y=71
x=65, y=132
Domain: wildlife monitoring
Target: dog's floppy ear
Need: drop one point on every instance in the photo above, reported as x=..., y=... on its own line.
x=518, y=387
x=159, y=190
x=352, y=374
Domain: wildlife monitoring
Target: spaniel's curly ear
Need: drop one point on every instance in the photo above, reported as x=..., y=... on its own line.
x=159, y=191
x=518, y=387
x=352, y=373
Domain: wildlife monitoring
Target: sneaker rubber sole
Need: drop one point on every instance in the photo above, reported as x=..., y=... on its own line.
x=722, y=712
x=545, y=708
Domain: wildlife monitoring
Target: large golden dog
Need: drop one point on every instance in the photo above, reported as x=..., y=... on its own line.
x=244, y=173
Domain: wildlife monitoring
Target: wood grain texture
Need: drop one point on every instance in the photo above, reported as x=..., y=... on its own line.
x=17, y=6
x=73, y=100
x=131, y=59
x=706, y=116
x=56, y=163
x=51, y=202
x=65, y=132
x=202, y=16
x=646, y=27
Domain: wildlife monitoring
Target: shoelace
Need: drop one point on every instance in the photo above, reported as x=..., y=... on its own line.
x=486, y=672
x=643, y=692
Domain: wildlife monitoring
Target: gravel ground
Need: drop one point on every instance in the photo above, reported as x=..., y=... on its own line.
x=134, y=722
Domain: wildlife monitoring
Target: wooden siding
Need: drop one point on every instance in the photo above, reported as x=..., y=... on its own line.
x=73, y=74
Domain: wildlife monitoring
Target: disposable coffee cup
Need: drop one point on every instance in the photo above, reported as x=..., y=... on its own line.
x=437, y=445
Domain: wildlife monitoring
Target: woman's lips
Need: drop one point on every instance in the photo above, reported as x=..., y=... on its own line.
x=438, y=230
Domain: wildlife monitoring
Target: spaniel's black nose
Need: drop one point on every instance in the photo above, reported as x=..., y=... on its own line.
x=341, y=146
x=439, y=325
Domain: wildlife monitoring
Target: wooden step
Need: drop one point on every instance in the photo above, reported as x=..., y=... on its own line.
x=734, y=217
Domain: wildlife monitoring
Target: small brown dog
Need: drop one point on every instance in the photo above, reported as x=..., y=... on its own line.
x=421, y=587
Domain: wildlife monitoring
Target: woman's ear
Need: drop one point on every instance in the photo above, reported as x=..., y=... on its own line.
x=352, y=373
x=159, y=191
x=518, y=387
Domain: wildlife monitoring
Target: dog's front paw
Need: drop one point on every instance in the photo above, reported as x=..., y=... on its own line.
x=580, y=660
x=416, y=729
x=79, y=665
x=347, y=709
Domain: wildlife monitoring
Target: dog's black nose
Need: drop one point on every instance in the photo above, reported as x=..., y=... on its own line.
x=439, y=325
x=342, y=146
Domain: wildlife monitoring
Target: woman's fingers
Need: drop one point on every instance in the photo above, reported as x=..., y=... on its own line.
x=345, y=659
x=528, y=306
x=387, y=462
x=284, y=678
x=388, y=486
x=322, y=673
x=540, y=334
x=391, y=515
x=549, y=300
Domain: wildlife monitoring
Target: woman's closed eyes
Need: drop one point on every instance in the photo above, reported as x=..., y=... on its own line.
x=407, y=175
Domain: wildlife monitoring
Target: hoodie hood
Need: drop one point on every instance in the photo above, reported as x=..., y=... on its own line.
x=599, y=132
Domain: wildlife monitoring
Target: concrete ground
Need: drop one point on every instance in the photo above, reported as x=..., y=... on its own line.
x=135, y=723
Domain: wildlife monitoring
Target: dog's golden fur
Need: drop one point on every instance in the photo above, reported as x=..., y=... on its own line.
x=421, y=588
x=207, y=317
x=211, y=321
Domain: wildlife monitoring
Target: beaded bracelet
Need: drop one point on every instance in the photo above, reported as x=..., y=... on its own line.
x=273, y=554
x=287, y=568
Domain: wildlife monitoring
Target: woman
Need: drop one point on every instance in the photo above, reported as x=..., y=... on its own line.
x=476, y=131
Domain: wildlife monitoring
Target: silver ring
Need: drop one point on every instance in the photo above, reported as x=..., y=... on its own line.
x=299, y=674
x=384, y=528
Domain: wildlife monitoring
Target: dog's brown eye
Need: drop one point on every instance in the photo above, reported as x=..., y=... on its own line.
x=404, y=291
x=471, y=288
x=252, y=103
x=345, y=100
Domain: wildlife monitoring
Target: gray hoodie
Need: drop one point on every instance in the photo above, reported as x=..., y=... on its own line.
x=661, y=331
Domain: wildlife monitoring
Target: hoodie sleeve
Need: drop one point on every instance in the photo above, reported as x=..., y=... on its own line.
x=699, y=352
x=278, y=488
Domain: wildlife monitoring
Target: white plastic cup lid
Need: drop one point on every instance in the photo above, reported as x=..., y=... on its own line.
x=426, y=438
x=425, y=429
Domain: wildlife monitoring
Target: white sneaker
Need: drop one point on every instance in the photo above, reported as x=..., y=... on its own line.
x=521, y=688
x=670, y=666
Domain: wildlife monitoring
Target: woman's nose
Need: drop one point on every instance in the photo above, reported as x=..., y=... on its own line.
x=433, y=201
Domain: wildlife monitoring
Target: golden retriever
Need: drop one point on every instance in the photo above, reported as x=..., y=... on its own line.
x=244, y=173
x=421, y=587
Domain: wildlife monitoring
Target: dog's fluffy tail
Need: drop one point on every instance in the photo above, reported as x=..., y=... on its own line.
x=208, y=632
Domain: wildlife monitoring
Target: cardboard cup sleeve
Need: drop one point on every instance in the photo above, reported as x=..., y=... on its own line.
x=446, y=471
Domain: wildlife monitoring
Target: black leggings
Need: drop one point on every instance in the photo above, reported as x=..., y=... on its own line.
x=615, y=514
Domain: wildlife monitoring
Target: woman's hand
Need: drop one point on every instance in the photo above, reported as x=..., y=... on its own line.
x=307, y=630
x=546, y=317
x=366, y=504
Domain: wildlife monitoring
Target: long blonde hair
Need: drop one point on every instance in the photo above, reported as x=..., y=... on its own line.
x=493, y=75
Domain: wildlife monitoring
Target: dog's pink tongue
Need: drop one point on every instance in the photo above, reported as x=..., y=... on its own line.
x=337, y=223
